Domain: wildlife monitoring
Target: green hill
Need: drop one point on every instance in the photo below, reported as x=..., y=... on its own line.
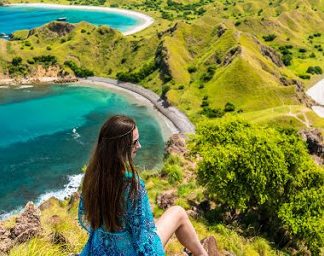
x=245, y=58
x=250, y=53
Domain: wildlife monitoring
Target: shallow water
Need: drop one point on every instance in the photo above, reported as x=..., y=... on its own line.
x=47, y=134
x=13, y=18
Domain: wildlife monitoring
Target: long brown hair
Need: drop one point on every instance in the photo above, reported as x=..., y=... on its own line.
x=104, y=181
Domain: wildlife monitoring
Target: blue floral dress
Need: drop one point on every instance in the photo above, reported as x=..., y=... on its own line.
x=137, y=238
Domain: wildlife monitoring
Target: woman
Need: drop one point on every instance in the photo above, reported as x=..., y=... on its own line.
x=114, y=206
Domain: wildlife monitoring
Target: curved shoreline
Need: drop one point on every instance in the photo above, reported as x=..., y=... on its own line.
x=147, y=20
x=178, y=119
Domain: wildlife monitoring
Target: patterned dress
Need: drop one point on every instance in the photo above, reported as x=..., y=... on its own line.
x=137, y=238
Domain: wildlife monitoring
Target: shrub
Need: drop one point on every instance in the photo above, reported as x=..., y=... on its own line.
x=269, y=38
x=312, y=55
x=83, y=31
x=201, y=86
x=45, y=60
x=30, y=61
x=180, y=87
x=305, y=77
x=192, y=69
x=286, y=59
x=212, y=112
x=172, y=169
x=314, y=70
x=229, y=107
x=48, y=48
x=264, y=171
x=302, y=50
x=78, y=71
x=209, y=74
x=139, y=75
x=237, y=23
x=165, y=89
x=16, y=61
x=27, y=43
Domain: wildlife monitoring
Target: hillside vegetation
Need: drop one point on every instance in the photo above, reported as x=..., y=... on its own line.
x=239, y=70
x=255, y=55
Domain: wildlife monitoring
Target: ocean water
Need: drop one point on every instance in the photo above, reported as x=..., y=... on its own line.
x=13, y=18
x=47, y=134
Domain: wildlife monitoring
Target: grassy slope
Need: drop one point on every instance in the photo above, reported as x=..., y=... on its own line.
x=251, y=82
x=196, y=43
x=58, y=219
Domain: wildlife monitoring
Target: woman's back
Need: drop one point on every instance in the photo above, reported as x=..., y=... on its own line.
x=137, y=236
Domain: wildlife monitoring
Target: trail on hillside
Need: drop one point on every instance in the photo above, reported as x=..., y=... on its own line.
x=305, y=122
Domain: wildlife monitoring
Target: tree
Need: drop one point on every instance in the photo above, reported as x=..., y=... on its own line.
x=267, y=171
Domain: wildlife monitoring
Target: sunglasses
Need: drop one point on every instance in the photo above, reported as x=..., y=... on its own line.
x=135, y=142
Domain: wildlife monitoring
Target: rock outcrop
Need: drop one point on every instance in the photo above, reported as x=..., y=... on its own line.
x=58, y=28
x=221, y=30
x=176, y=145
x=272, y=55
x=168, y=31
x=166, y=199
x=162, y=61
x=231, y=54
x=315, y=143
x=27, y=226
x=210, y=245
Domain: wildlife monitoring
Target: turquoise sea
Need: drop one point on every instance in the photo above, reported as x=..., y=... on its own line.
x=47, y=134
x=28, y=17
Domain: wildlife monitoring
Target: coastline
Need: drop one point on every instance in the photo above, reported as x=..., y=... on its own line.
x=179, y=119
x=146, y=20
x=316, y=92
x=136, y=94
x=167, y=127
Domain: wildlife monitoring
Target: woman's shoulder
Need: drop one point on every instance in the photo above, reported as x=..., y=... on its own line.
x=129, y=175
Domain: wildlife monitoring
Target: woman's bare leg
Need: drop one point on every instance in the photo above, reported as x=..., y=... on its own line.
x=175, y=220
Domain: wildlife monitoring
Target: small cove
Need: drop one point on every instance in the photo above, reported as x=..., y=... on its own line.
x=28, y=16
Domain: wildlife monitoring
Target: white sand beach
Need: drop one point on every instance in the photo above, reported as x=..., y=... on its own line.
x=179, y=120
x=145, y=20
x=316, y=92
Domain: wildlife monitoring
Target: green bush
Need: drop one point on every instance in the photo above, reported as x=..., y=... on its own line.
x=17, y=68
x=137, y=76
x=45, y=60
x=192, y=69
x=305, y=77
x=229, y=107
x=237, y=23
x=30, y=61
x=266, y=171
x=286, y=59
x=314, y=70
x=209, y=73
x=269, y=38
x=172, y=169
x=16, y=61
x=212, y=112
x=78, y=71
x=173, y=172
x=165, y=89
